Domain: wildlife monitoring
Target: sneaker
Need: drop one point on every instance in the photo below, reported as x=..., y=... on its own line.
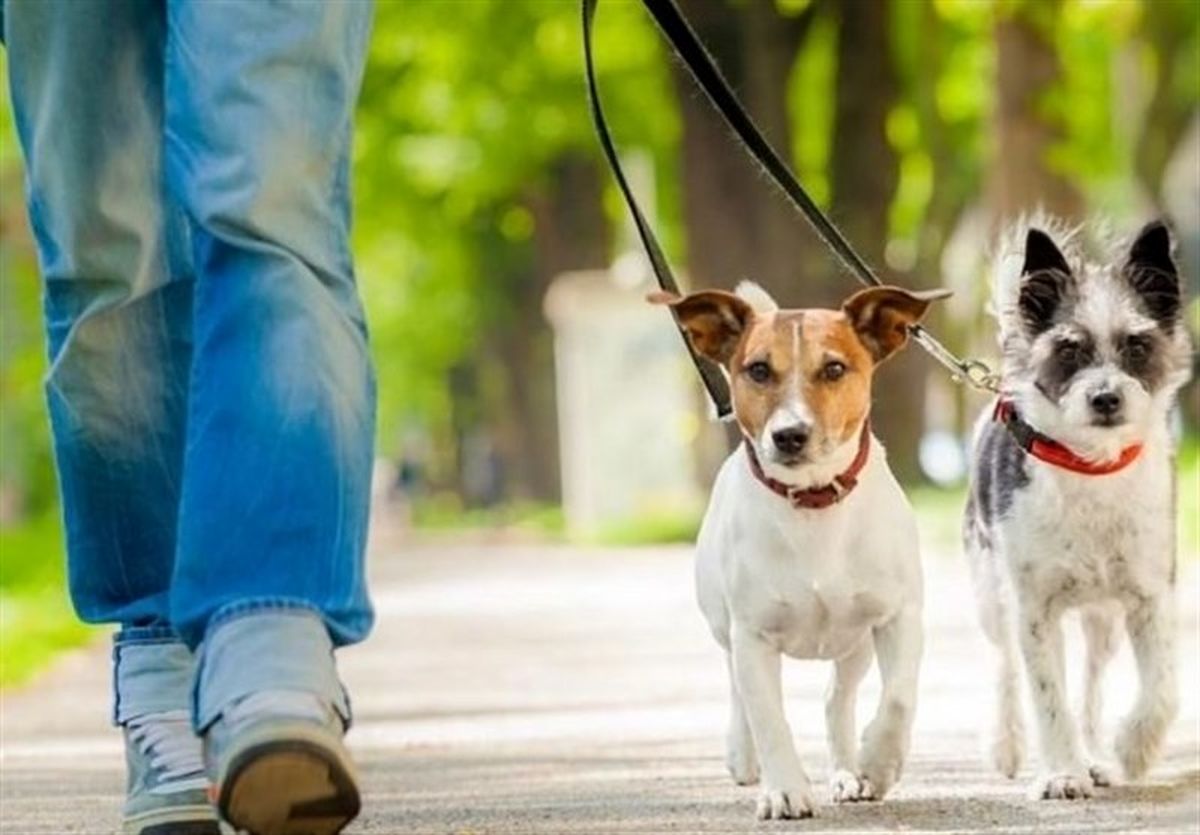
x=167, y=790
x=280, y=766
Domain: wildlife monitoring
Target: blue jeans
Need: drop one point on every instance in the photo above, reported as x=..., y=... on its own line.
x=210, y=391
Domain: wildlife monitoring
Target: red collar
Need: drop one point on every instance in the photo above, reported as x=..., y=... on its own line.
x=817, y=498
x=1051, y=451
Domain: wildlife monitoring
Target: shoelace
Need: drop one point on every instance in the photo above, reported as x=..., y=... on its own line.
x=166, y=739
x=294, y=704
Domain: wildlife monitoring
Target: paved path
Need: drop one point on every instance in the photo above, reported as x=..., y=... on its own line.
x=515, y=689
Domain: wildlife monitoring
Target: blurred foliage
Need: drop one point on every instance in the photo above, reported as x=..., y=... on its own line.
x=35, y=615
x=464, y=109
x=467, y=110
x=444, y=512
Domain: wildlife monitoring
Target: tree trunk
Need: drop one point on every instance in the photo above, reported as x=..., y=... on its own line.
x=954, y=187
x=570, y=232
x=864, y=176
x=739, y=225
x=1168, y=114
x=1027, y=68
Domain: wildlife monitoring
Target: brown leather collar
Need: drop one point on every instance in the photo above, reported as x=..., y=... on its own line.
x=817, y=498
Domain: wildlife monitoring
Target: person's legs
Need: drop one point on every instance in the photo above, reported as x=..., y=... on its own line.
x=269, y=573
x=86, y=85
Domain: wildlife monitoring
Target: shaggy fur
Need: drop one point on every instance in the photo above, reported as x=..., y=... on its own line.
x=1094, y=354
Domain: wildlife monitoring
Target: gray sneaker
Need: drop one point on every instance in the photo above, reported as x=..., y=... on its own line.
x=280, y=765
x=167, y=792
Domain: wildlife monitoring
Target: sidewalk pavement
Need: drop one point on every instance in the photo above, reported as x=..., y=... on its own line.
x=559, y=690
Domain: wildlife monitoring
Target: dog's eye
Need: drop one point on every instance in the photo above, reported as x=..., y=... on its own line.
x=833, y=370
x=1136, y=349
x=759, y=372
x=1068, y=353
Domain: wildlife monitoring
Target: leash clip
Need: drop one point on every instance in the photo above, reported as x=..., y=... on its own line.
x=978, y=375
x=973, y=372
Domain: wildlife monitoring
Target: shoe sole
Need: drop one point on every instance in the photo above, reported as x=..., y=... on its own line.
x=294, y=786
x=176, y=820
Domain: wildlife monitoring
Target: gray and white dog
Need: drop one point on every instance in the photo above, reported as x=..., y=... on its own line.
x=1072, y=491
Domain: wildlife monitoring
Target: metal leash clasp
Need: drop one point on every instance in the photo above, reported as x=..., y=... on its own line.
x=973, y=372
x=979, y=375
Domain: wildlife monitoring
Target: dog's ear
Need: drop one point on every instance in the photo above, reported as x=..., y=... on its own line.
x=1045, y=281
x=1151, y=272
x=881, y=316
x=713, y=320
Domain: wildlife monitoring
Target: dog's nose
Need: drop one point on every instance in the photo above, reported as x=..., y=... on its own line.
x=1106, y=403
x=790, y=441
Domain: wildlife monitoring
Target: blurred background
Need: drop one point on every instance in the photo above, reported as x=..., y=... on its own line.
x=526, y=390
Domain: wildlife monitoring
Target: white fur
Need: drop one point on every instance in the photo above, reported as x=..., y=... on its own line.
x=1104, y=544
x=1009, y=257
x=843, y=584
x=1073, y=540
x=754, y=295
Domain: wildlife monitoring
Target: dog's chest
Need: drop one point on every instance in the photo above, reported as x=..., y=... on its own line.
x=803, y=591
x=1084, y=537
x=808, y=620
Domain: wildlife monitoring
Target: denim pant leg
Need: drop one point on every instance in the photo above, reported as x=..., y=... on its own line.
x=153, y=672
x=260, y=646
x=280, y=431
x=86, y=86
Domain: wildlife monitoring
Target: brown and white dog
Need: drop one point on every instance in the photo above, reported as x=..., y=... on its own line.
x=809, y=546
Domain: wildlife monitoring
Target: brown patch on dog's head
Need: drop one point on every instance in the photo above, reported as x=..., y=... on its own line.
x=801, y=379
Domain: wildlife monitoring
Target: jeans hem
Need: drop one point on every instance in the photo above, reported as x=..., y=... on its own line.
x=131, y=635
x=289, y=649
x=262, y=605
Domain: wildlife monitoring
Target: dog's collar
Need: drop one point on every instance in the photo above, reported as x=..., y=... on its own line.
x=1051, y=451
x=816, y=498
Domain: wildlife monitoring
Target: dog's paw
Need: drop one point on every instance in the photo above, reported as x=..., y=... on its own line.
x=1138, y=744
x=845, y=787
x=881, y=759
x=1006, y=753
x=742, y=762
x=785, y=802
x=1101, y=775
x=1062, y=786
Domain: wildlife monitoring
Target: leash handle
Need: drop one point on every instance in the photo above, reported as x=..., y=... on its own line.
x=712, y=376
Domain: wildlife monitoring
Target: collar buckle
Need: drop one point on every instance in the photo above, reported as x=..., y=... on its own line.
x=842, y=485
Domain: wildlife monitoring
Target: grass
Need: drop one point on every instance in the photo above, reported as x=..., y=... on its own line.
x=443, y=512
x=1188, y=513
x=939, y=517
x=36, y=620
x=651, y=528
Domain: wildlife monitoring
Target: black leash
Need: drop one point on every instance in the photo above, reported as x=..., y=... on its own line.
x=711, y=374
x=704, y=70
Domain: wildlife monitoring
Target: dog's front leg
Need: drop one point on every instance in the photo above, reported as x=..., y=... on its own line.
x=898, y=645
x=786, y=792
x=740, y=757
x=1064, y=775
x=1150, y=622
